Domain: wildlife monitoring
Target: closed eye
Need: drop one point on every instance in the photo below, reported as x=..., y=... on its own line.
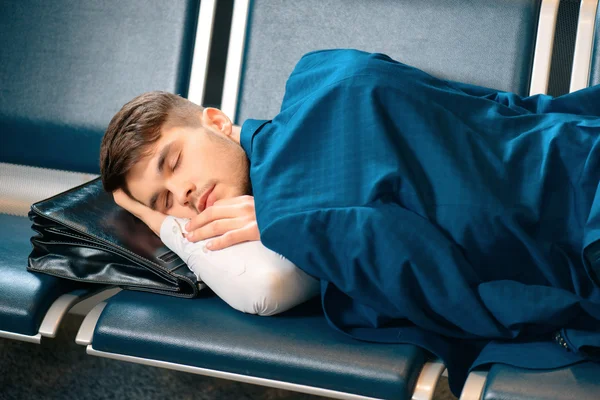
x=177, y=162
x=169, y=200
x=169, y=197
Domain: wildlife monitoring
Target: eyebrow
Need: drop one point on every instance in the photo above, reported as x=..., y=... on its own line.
x=160, y=166
x=163, y=156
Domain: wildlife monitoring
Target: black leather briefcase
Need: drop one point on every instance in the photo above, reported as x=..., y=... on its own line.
x=82, y=234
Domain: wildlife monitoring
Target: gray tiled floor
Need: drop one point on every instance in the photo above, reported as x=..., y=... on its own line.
x=60, y=369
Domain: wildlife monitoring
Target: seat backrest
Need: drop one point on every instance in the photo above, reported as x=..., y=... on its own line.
x=489, y=43
x=589, y=36
x=67, y=66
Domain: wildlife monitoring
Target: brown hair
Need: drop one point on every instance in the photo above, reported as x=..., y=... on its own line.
x=135, y=128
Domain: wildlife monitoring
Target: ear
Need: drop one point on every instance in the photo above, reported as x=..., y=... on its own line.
x=215, y=119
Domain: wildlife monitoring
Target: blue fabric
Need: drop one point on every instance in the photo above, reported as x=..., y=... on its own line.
x=437, y=213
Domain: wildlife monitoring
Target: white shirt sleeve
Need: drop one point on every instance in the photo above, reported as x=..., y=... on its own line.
x=248, y=276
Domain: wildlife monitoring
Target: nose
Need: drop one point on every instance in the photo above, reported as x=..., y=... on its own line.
x=182, y=192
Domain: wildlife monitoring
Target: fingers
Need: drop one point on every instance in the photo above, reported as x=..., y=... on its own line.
x=229, y=221
x=248, y=233
x=119, y=196
x=222, y=211
x=126, y=202
x=209, y=215
x=215, y=228
x=138, y=209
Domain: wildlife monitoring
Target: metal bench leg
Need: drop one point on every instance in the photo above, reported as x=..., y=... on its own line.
x=428, y=380
x=473, y=388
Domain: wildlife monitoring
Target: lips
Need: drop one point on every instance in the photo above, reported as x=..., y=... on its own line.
x=210, y=200
x=201, y=205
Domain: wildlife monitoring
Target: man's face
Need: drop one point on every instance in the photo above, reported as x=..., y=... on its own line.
x=199, y=166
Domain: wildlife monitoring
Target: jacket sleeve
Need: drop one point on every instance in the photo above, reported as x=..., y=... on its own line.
x=321, y=68
x=582, y=102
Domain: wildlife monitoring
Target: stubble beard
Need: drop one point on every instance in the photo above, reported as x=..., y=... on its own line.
x=233, y=150
x=245, y=183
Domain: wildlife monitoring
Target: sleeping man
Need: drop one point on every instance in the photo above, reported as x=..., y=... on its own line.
x=248, y=276
x=458, y=218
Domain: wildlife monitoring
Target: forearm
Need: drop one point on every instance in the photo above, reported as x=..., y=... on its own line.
x=154, y=221
x=267, y=288
x=247, y=276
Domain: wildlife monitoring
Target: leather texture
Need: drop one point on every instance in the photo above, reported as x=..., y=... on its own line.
x=85, y=236
x=67, y=67
x=486, y=43
x=25, y=297
x=296, y=346
x=579, y=382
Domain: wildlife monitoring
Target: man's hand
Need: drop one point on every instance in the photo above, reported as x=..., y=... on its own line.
x=233, y=220
x=150, y=217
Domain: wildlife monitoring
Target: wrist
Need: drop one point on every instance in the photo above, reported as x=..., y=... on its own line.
x=154, y=220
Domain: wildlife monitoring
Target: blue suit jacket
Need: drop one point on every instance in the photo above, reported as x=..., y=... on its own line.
x=437, y=213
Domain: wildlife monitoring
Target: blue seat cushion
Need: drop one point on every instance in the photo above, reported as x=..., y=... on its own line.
x=296, y=346
x=577, y=382
x=24, y=296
